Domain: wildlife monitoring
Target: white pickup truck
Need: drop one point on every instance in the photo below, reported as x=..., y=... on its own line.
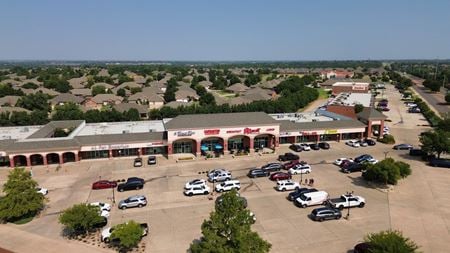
x=347, y=200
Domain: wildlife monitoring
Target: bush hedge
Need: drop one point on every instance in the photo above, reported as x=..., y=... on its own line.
x=387, y=171
x=429, y=114
x=387, y=139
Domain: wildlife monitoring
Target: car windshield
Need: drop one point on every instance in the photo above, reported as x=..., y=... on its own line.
x=303, y=197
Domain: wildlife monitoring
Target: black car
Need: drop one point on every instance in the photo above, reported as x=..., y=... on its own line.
x=325, y=213
x=130, y=185
x=370, y=142
x=132, y=179
x=271, y=167
x=417, y=152
x=288, y=157
x=363, y=158
x=295, y=194
x=296, y=147
x=324, y=145
x=151, y=160
x=363, y=247
x=414, y=110
x=435, y=162
x=403, y=146
x=258, y=173
x=314, y=146
x=352, y=167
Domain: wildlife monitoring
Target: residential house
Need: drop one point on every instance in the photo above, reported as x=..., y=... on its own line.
x=258, y=94
x=185, y=94
x=337, y=73
x=81, y=92
x=237, y=88
x=158, y=86
x=205, y=84
x=65, y=98
x=142, y=109
x=176, y=104
x=103, y=72
x=11, y=109
x=149, y=99
x=101, y=100
x=108, y=87
x=78, y=83
x=127, y=86
x=9, y=100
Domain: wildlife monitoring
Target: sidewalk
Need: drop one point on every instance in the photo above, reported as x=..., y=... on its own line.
x=19, y=241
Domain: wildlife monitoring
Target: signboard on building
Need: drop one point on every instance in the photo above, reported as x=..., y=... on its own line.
x=248, y=130
x=233, y=131
x=184, y=133
x=331, y=131
x=270, y=129
x=211, y=131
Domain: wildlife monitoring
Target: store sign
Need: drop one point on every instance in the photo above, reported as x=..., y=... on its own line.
x=99, y=147
x=331, y=131
x=119, y=146
x=285, y=134
x=251, y=131
x=233, y=131
x=309, y=133
x=211, y=131
x=270, y=129
x=184, y=133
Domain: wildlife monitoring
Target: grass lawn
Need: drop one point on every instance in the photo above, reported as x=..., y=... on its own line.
x=323, y=93
x=225, y=93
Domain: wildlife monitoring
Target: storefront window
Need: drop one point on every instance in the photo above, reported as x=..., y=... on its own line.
x=153, y=151
x=261, y=142
x=94, y=154
x=183, y=147
x=236, y=143
x=125, y=152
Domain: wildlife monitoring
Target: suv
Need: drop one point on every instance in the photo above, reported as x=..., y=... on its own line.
x=324, y=145
x=258, y=173
x=305, y=146
x=353, y=143
x=300, y=169
x=197, y=190
x=137, y=162
x=288, y=157
x=296, y=147
x=151, y=160
x=130, y=185
x=287, y=185
x=219, y=175
x=271, y=167
x=133, y=201
x=314, y=146
x=325, y=213
x=228, y=186
x=352, y=167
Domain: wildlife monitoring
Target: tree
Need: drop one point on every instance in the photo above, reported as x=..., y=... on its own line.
x=359, y=108
x=81, y=218
x=20, y=119
x=128, y=234
x=38, y=117
x=228, y=229
x=252, y=79
x=447, y=98
x=37, y=101
x=132, y=115
x=21, y=199
x=30, y=85
x=63, y=87
x=207, y=99
x=98, y=89
x=390, y=242
x=68, y=111
x=435, y=142
x=121, y=92
x=433, y=85
x=387, y=171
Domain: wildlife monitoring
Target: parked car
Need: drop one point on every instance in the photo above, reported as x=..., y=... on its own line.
x=370, y=142
x=271, y=167
x=151, y=160
x=101, y=205
x=339, y=161
x=305, y=146
x=133, y=201
x=296, y=147
x=42, y=191
x=324, y=145
x=436, y=162
x=295, y=194
x=403, y=146
x=228, y=186
x=352, y=167
x=311, y=199
x=363, y=158
x=103, y=184
x=280, y=176
x=219, y=175
x=362, y=143
x=130, y=185
x=363, y=247
x=417, y=152
x=346, y=163
x=137, y=162
x=288, y=157
x=258, y=173
x=292, y=163
x=300, y=169
x=195, y=182
x=197, y=190
x=314, y=146
x=347, y=200
x=414, y=110
x=136, y=179
x=325, y=213
x=353, y=143
x=106, y=233
x=410, y=104
x=287, y=185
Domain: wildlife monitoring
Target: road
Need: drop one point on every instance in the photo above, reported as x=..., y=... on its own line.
x=435, y=100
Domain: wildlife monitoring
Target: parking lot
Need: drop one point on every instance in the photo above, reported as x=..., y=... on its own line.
x=419, y=205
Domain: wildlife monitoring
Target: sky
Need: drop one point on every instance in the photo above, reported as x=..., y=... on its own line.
x=231, y=30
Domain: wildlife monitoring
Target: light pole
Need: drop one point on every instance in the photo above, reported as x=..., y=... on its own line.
x=348, y=207
x=113, y=197
x=385, y=154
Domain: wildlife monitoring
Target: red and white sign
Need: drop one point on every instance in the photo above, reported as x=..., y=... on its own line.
x=251, y=131
x=309, y=133
x=211, y=131
x=270, y=129
x=233, y=131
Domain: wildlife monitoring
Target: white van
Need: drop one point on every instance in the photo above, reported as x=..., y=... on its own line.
x=311, y=199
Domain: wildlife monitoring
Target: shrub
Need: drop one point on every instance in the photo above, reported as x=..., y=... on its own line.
x=390, y=242
x=387, y=139
x=387, y=171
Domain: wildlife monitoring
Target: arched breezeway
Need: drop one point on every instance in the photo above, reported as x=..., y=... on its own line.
x=52, y=158
x=239, y=143
x=264, y=141
x=184, y=146
x=68, y=157
x=20, y=160
x=36, y=159
x=212, y=145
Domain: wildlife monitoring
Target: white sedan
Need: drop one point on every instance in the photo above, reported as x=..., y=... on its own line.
x=305, y=147
x=353, y=143
x=102, y=206
x=195, y=182
x=300, y=169
x=42, y=191
x=339, y=161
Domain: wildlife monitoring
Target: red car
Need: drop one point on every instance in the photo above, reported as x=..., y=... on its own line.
x=103, y=184
x=345, y=163
x=280, y=176
x=291, y=164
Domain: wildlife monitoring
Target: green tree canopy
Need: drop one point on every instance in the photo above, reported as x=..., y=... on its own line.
x=99, y=89
x=121, y=92
x=81, y=218
x=228, y=229
x=387, y=171
x=436, y=142
x=68, y=111
x=37, y=101
x=129, y=234
x=21, y=199
x=390, y=242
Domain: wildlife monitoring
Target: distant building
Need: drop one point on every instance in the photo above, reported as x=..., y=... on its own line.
x=101, y=100
x=65, y=98
x=337, y=73
x=351, y=87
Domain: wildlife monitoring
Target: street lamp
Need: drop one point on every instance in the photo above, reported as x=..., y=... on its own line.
x=113, y=197
x=348, y=207
x=385, y=154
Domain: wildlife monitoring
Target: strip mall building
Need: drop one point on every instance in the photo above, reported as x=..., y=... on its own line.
x=71, y=141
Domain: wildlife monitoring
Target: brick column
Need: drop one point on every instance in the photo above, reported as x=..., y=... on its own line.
x=61, y=158
x=77, y=157
x=11, y=162
x=169, y=149
x=198, y=147
x=318, y=138
x=369, y=129
x=225, y=146
x=381, y=128
x=28, y=161
x=110, y=153
x=44, y=160
x=277, y=141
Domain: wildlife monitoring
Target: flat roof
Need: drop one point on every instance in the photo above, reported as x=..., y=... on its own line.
x=301, y=117
x=287, y=126
x=350, y=84
x=351, y=99
x=192, y=121
x=108, y=128
x=17, y=132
